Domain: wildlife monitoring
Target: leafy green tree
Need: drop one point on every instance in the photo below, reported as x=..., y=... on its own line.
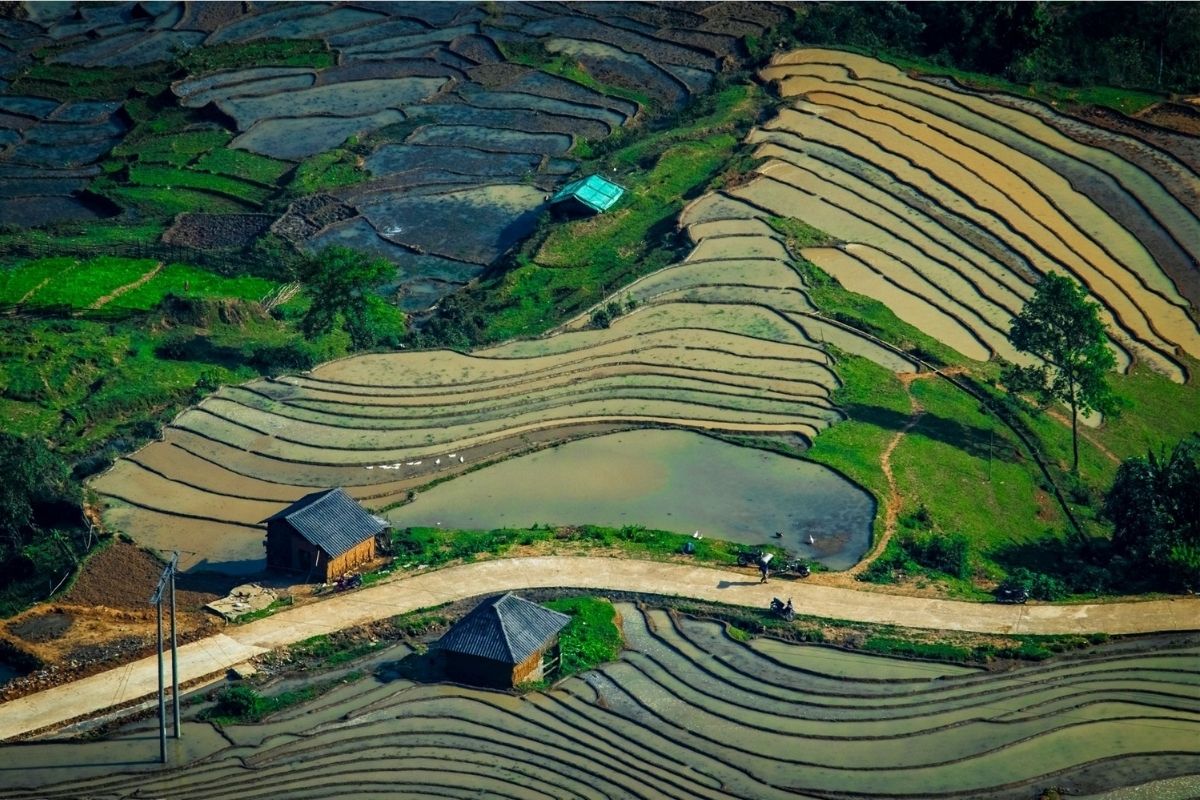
x=1062, y=327
x=34, y=477
x=1154, y=505
x=339, y=283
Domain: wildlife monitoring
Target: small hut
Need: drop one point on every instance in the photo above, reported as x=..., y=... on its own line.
x=590, y=195
x=323, y=535
x=501, y=643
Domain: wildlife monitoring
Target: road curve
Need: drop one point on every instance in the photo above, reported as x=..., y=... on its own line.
x=217, y=653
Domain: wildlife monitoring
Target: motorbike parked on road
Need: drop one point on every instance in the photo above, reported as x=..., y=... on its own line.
x=783, y=610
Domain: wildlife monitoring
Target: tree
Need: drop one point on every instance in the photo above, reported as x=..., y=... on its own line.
x=338, y=282
x=1154, y=505
x=34, y=478
x=1062, y=327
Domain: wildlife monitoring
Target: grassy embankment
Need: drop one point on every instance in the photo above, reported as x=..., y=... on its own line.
x=438, y=546
x=592, y=637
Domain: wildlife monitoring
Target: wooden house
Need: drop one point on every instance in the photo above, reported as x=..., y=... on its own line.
x=322, y=536
x=501, y=643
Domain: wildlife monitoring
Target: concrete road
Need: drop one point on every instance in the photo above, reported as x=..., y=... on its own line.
x=217, y=653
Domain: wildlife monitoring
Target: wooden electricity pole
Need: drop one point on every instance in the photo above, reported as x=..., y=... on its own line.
x=167, y=579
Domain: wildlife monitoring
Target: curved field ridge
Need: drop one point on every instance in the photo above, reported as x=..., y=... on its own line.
x=688, y=712
x=724, y=341
x=949, y=204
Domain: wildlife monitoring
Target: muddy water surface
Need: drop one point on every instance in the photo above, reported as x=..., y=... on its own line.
x=671, y=480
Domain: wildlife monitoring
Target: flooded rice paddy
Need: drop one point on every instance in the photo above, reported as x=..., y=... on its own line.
x=668, y=480
x=686, y=712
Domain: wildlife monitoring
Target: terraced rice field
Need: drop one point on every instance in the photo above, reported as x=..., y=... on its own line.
x=947, y=210
x=721, y=342
x=688, y=712
x=949, y=205
x=484, y=104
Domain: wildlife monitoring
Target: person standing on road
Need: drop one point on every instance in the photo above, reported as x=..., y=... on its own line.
x=764, y=564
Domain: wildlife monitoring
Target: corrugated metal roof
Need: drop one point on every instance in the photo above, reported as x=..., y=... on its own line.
x=331, y=520
x=507, y=629
x=593, y=191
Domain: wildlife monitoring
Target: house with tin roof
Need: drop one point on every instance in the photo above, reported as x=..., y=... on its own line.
x=592, y=194
x=501, y=643
x=322, y=536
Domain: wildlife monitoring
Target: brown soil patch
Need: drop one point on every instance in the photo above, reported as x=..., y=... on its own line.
x=217, y=230
x=120, y=290
x=123, y=576
x=105, y=619
x=1176, y=116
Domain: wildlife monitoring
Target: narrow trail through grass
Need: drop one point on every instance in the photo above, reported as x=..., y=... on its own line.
x=1065, y=421
x=891, y=509
x=25, y=297
x=129, y=287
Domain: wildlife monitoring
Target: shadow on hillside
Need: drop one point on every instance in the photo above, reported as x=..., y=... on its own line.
x=972, y=439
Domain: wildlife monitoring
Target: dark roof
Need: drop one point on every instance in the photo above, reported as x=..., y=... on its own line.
x=331, y=520
x=507, y=629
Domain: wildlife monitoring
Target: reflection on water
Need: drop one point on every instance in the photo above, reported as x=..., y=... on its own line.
x=673, y=480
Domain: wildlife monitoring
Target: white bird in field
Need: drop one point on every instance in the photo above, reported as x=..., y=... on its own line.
x=438, y=461
x=452, y=455
x=370, y=467
x=461, y=459
x=811, y=540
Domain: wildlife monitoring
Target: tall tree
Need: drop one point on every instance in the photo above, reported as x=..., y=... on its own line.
x=1154, y=505
x=1062, y=327
x=339, y=283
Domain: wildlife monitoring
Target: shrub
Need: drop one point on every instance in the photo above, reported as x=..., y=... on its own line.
x=241, y=702
x=1037, y=585
x=271, y=358
x=948, y=553
x=590, y=638
x=603, y=316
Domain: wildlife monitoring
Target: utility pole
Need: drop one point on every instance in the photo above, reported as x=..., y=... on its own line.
x=167, y=579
